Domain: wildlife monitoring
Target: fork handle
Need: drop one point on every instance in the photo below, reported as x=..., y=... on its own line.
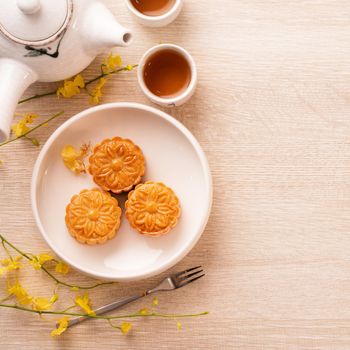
x=104, y=309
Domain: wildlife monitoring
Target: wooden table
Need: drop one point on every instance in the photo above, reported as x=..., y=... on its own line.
x=272, y=112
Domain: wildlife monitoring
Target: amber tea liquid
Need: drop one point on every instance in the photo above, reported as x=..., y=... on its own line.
x=167, y=73
x=153, y=7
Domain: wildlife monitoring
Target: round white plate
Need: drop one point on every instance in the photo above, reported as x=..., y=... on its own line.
x=173, y=156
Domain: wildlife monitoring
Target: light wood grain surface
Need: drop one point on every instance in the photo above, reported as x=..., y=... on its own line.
x=272, y=112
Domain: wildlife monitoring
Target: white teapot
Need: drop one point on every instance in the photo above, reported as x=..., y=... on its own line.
x=49, y=40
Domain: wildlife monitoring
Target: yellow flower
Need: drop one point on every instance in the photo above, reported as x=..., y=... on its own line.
x=96, y=93
x=20, y=293
x=54, y=298
x=71, y=88
x=125, y=327
x=179, y=325
x=43, y=258
x=39, y=260
x=13, y=264
x=129, y=67
x=74, y=159
x=74, y=289
x=62, y=268
x=2, y=271
x=84, y=303
x=111, y=63
x=41, y=304
x=21, y=127
x=35, y=263
x=62, y=327
x=29, y=118
x=144, y=311
x=5, y=262
x=155, y=301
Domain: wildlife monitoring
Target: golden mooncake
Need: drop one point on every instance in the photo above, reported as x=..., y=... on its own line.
x=152, y=208
x=93, y=216
x=117, y=165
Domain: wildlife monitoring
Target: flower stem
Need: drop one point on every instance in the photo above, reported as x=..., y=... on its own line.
x=75, y=314
x=33, y=129
x=58, y=281
x=51, y=93
x=6, y=250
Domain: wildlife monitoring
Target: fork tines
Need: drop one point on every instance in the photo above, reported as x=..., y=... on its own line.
x=190, y=275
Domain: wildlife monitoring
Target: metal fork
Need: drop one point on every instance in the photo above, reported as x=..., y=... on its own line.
x=172, y=282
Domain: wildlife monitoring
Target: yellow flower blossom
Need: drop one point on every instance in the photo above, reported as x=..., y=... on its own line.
x=35, y=263
x=54, y=298
x=145, y=311
x=129, y=67
x=2, y=271
x=125, y=327
x=111, y=63
x=62, y=327
x=155, y=301
x=20, y=293
x=74, y=289
x=12, y=264
x=74, y=159
x=71, y=88
x=22, y=127
x=43, y=258
x=96, y=93
x=5, y=262
x=62, y=268
x=84, y=303
x=179, y=325
x=41, y=304
x=38, y=261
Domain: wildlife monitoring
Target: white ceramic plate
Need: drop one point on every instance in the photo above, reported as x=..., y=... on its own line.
x=173, y=156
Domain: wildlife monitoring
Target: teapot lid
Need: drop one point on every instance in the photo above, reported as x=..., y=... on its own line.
x=34, y=22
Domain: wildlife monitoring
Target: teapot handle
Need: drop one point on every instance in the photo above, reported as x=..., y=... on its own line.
x=15, y=79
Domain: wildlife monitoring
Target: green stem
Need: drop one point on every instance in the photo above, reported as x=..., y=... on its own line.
x=113, y=325
x=6, y=250
x=102, y=75
x=58, y=281
x=6, y=298
x=37, y=96
x=33, y=129
x=51, y=93
x=75, y=314
x=69, y=308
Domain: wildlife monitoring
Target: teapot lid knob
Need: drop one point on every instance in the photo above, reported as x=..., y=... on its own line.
x=29, y=7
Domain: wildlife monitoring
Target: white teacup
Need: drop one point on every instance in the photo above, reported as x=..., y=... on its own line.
x=156, y=21
x=176, y=100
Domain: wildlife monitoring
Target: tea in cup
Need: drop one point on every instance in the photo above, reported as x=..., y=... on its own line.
x=167, y=75
x=155, y=13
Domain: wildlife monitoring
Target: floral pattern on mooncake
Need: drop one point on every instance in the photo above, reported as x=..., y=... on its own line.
x=93, y=216
x=117, y=165
x=152, y=208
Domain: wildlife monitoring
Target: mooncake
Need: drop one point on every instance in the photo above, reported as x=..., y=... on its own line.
x=93, y=216
x=117, y=165
x=152, y=208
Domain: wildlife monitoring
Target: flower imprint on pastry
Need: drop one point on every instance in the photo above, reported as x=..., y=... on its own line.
x=117, y=165
x=93, y=216
x=152, y=208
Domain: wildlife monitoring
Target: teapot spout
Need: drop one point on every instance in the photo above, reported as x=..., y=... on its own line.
x=101, y=30
x=15, y=79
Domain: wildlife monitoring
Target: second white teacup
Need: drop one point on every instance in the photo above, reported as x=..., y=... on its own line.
x=167, y=75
